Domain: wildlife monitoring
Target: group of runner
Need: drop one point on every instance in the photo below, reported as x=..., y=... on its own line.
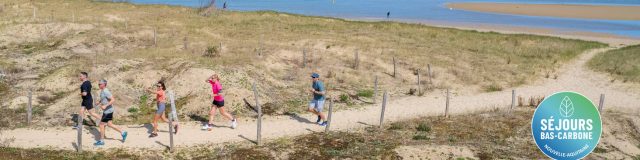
x=107, y=100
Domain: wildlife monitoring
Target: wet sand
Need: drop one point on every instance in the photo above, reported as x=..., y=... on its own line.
x=606, y=12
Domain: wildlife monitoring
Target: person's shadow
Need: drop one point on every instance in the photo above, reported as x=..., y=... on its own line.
x=298, y=118
x=149, y=127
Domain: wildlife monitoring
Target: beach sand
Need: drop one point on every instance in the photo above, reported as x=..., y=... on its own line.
x=555, y=10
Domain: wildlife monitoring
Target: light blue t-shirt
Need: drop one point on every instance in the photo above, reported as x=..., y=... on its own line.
x=319, y=87
x=104, y=100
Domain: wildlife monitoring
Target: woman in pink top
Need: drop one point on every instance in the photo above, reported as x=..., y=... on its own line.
x=218, y=102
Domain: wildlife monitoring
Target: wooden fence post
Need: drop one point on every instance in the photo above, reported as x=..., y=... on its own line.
x=429, y=72
x=80, y=126
x=255, y=93
x=155, y=37
x=513, y=99
x=419, y=87
x=601, y=105
x=73, y=17
x=185, y=45
x=34, y=13
x=304, y=58
x=356, y=60
x=220, y=45
x=446, y=109
x=326, y=129
x=171, y=119
x=29, y=109
x=375, y=89
x=394, y=67
x=384, y=104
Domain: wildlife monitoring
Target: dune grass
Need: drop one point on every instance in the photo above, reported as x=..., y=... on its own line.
x=623, y=64
x=267, y=47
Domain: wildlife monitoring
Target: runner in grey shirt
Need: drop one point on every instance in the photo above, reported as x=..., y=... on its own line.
x=106, y=104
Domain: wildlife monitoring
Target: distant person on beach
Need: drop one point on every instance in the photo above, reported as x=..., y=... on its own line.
x=218, y=103
x=87, y=99
x=388, y=14
x=106, y=104
x=224, y=6
x=317, y=103
x=161, y=103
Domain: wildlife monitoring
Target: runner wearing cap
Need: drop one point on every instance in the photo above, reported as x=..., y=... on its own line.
x=106, y=104
x=317, y=103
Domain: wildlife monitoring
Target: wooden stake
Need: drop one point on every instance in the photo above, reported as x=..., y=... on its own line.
x=394, y=67
x=513, y=99
x=446, y=109
x=429, y=72
x=255, y=93
x=171, y=118
x=375, y=89
x=419, y=88
x=326, y=129
x=356, y=60
x=155, y=38
x=384, y=104
x=29, y=109
x=601, y=104
x=80, y=126
x=304, y=58
x=185, y=45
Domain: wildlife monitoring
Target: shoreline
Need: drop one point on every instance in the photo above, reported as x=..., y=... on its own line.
x=611, y=39
x=580, y=11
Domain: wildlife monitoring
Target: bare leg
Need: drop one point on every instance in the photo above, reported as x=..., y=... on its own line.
x=225, y=113
x=212, y=114
x=102, y=124
x=156, y=117
x=80, y=115
x=113, y=126
x=93, y=114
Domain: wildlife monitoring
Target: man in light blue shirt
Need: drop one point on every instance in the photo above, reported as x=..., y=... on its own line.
x=317, y=103
x=106, y=104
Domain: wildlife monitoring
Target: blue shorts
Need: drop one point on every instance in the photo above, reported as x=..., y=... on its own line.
x=161, y=108
x=317, y=105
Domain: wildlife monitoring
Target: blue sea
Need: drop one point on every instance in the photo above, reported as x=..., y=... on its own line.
x=428, y=11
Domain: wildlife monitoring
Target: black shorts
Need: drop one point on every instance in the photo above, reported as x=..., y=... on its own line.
x=87, y=104
x=218, y=103
x=106, y=117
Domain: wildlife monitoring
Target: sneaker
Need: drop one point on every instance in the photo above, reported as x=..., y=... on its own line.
x=209, y=127
x=319, y=119
x=124, y=136
x=99, y=143
x=175, y=129
x=234, y=123
x=205, y=127
x=75, y=126
x=323, y=123
x=153, y=135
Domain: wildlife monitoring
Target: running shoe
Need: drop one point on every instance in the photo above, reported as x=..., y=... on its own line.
x=99, y=143
x=175, y=129
x=234, y=123
x=124, y=136
x=323, y=123
x=153, y=135
x=205, y=127
x=75, y=126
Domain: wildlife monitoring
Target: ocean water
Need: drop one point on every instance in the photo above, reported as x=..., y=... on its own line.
x=428, y=11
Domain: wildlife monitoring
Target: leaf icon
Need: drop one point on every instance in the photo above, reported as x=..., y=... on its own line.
x=566, y=107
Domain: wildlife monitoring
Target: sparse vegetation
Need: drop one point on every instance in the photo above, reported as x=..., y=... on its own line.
x=623, y=64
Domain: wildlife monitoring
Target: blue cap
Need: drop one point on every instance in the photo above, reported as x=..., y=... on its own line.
x=315, y=75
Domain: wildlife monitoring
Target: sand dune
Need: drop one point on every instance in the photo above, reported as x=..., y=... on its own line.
x=556, y=10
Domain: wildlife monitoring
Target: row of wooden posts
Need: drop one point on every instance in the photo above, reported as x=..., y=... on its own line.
x=258, y=108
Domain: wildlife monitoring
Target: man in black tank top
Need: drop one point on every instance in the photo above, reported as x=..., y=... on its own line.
x=87, y=99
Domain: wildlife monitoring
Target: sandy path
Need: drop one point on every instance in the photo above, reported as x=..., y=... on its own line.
x=607, y=12
x=574, y=76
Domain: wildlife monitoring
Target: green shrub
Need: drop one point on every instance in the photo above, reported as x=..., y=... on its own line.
x=493, y=88
x=420, y=137
x=365, y=93
x=344, y=98
x=132, y=110
x=423, y=127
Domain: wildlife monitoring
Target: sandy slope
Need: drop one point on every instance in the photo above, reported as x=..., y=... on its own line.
x=574, y=76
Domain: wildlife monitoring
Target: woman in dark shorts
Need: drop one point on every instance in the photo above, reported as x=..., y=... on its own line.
x=218, y=103
x=159, y=115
